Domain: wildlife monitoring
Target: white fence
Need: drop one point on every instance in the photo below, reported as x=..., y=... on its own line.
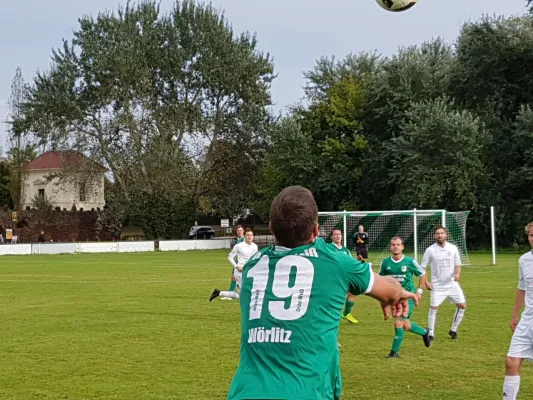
x=113, y=247
x=180, y=245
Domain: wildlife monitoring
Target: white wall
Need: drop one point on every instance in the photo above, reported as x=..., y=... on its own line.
x=64, y=195
x=114, y=247
x=182, y=245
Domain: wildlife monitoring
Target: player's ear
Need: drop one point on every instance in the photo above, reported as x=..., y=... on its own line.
x=270, y=227
x=315, y=231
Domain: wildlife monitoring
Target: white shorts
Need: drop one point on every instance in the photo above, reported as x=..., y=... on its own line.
x=238, y=277
x=454, y=294
x=522, y=342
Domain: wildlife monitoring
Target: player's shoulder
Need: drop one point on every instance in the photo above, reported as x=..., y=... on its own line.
x=408, y=259
x=386, y=260
x=265, y=251
x=526, y=257
x=451, y=246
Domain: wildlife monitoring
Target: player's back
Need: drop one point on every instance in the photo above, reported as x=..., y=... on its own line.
x=291, y=302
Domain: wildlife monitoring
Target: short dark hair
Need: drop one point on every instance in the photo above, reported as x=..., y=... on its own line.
x=248, y=230
x=293, y=216
x=437, y=227
x=336, y=229
x=239, y=226
x=396, y=238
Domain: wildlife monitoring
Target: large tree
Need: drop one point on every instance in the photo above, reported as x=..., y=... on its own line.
x=21, y=148
x=153, y=97
x=319, y=147
x=491, y=79
x=435, y=161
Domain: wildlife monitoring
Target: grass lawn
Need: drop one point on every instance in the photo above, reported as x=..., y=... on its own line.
x=140, y=326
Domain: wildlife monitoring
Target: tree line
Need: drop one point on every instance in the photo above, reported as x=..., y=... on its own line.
x=178, y=107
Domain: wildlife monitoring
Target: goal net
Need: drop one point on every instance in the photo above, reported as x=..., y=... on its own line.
x=415, y=227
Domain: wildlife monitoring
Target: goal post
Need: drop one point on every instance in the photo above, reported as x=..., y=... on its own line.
x=415, y=227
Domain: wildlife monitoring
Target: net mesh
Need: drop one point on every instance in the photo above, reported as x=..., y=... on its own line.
x=381, y=227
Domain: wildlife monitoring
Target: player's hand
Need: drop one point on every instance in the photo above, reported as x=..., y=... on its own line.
x=400, y=308
x=456, y=278
x=429, y=286
x=233, y=278
x=419, y=295
x=360, y=258
x=514, y=323
x=239, y=268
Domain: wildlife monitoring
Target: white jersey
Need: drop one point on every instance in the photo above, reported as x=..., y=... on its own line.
x=442, y=261
x=525, y=282
x=243, y=251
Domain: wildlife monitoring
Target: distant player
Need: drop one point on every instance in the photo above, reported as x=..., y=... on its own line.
x=361, y=243
x=336, y=241
x=291, y=297
x=403, y=268
x=242, y=251
x=238, y=239
x=522, y=342
x=445, y=263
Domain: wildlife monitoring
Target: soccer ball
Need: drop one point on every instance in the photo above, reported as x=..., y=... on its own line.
x=396, y=5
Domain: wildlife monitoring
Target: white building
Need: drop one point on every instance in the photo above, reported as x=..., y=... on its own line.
x=40, y=179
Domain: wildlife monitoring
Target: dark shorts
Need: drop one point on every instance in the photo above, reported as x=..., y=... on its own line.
x=362, y=251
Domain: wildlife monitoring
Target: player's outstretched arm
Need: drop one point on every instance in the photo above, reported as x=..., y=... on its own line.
x=391, y=295
x=518, y=304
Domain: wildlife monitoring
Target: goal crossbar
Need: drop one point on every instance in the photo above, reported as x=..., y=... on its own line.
x=414, y=226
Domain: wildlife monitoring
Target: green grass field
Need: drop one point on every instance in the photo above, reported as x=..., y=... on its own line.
x=140, y=326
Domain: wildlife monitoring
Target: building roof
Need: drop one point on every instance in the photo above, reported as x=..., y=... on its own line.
x=53, y=160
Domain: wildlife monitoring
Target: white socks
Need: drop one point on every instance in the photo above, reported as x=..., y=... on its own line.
x=229, y=295
x=511, y=387
x=457, y=318
x=432, y=317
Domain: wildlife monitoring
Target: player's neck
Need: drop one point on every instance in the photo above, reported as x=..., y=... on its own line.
x=441, y=244
x=397, y=257
x=295, y=245
x=339, y=245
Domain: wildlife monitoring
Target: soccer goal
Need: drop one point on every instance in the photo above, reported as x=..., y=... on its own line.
x=415, y=227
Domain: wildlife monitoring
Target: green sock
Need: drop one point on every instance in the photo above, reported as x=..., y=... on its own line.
x=398, y=339
x=232, y=285
x=415, y=328
x=348, y=305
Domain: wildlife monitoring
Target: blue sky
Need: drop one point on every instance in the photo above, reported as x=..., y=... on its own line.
x=295, y=32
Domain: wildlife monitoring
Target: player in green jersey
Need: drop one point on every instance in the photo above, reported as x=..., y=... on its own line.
x=238, y=239
x=336, y=242
x=403, y=269
x=291, y=297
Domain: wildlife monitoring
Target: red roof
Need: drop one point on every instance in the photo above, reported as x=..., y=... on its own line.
x=60, y=159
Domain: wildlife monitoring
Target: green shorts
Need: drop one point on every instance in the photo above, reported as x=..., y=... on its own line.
x=411, y=309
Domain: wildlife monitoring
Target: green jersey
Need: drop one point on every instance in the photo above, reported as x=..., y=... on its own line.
x=290, y=303
x=403, y=270
x=342, y=249
x=238, y=240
